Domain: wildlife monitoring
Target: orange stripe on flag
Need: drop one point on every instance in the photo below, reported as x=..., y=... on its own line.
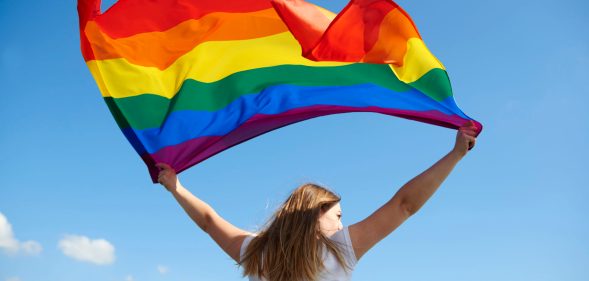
x=161, y=49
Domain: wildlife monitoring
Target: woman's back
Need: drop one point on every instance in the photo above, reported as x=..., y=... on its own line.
x=333, y=270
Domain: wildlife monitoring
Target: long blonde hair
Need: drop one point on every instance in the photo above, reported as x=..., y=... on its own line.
x=291, y=246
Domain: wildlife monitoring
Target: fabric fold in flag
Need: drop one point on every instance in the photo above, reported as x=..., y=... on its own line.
x=373, y=31
x=187, y=79
x=370, y=31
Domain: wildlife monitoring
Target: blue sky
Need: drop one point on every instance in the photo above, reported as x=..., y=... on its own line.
x=514, y=209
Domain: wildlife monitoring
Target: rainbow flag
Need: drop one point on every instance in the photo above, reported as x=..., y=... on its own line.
x=187, y=79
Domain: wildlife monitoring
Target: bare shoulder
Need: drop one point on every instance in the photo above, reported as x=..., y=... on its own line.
x=227, y=236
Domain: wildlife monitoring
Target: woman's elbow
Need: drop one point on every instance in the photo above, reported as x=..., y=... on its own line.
x=205, y=223
x=409, y=208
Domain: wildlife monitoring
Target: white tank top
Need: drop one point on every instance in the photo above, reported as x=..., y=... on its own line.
x=332, y=271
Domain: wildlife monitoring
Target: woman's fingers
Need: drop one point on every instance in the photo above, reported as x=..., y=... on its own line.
x=471, y=133
x=469, y=123
x=165, y=173
x=470, y=126
x=163, y=166
x=469, y=129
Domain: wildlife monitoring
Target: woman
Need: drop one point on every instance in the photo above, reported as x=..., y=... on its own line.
x=305, y=240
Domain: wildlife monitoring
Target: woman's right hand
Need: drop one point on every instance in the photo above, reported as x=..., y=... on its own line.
x=167, y=177
x=465, y=138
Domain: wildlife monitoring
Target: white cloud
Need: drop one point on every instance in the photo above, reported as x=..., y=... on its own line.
x=31, y=247
x=82, y=248
x=129, y=278
x=7, y=240
x=162, y=269
x=11, y=245
x=13, y=279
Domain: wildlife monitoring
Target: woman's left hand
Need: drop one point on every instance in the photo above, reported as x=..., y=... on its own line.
x=167, y=177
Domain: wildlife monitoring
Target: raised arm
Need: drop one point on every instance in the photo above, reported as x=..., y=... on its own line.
x=411, y=197
x=227, y=236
